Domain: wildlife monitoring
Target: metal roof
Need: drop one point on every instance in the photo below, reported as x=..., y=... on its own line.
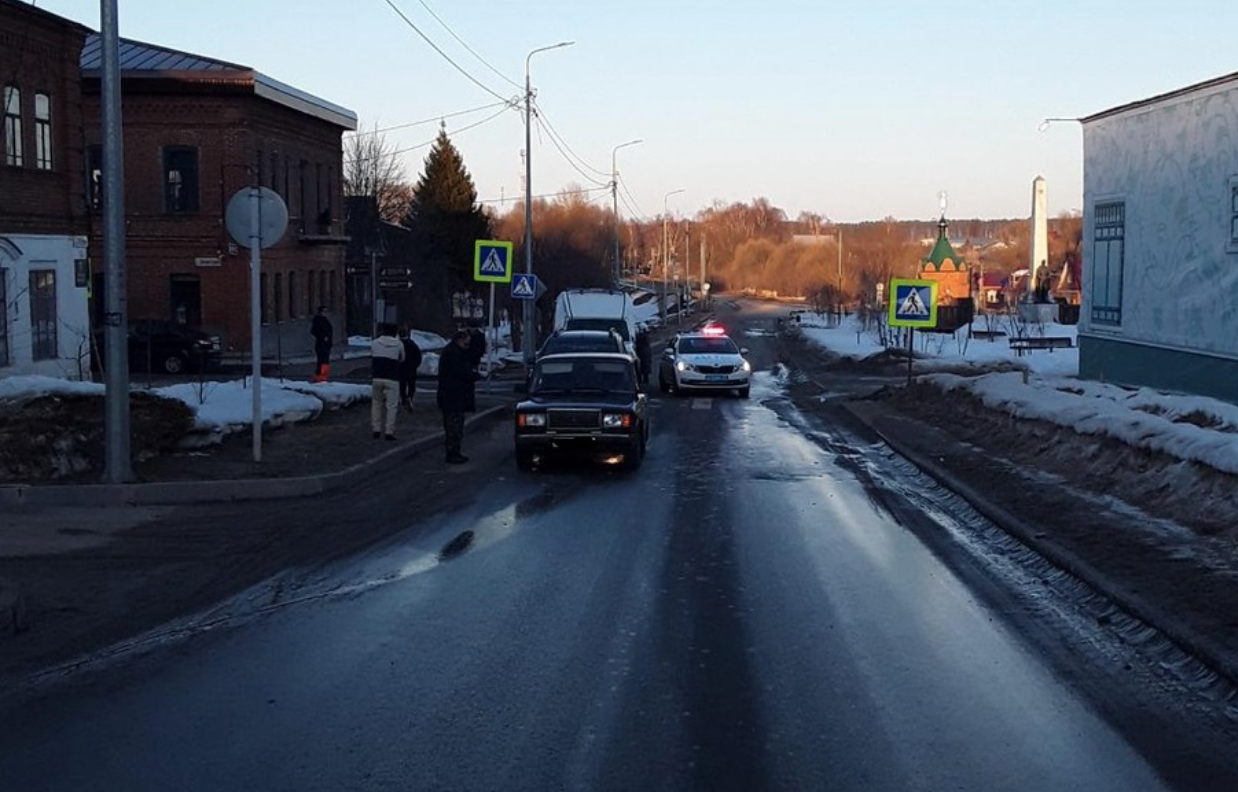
x=1206, y=84
x=138, y=59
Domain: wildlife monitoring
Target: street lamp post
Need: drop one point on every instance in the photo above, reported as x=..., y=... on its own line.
x=614, y=197
x=528, y=336
x=665, y=248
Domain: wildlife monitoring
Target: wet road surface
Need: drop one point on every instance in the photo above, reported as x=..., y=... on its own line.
x=754, y=609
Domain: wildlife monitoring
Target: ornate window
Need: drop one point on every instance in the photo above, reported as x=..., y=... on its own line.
x=42, y=131
x=1108, y=261
x=4, y=318
x=1232, y=214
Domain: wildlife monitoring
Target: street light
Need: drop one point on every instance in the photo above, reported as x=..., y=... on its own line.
x=665, y=248
x=528, y=337
x=614, y=197
x=1050, y=121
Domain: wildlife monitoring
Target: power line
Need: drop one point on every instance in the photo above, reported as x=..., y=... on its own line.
x=437, y=49
x=554, y=133
x=471, y=51
x=517, y=198
x=567, y=153
x=466, y=128
x=508, y=104
x=639, y=211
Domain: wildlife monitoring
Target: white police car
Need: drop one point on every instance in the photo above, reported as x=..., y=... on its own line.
x=706, y=359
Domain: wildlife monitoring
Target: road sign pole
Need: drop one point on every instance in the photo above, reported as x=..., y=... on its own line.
x=255, y=319
x=494, y=334
x=911, y=332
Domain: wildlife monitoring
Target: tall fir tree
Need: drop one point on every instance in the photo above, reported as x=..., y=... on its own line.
x=445, y=219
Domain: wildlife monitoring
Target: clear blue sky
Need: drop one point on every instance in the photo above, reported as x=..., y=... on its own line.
x=854, y=110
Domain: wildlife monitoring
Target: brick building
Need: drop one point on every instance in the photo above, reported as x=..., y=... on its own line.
x=44, y=319
x=196, y=130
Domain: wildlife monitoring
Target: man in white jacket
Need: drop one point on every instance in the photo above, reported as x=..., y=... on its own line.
x=386, y=357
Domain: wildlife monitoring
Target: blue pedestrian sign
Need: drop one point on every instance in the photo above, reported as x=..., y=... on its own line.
x=492, y=261
x=913, y=303
x=524, y=287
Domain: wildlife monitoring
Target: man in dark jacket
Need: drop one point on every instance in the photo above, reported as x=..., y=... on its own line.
x=324, y=339
x=477, y=344
x=456, y=380
x=644, y=355
x=408, y=369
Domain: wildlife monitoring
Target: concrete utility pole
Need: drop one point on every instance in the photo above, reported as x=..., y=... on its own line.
x=118, y=465
x=614, y=197
x=666, y=250
x=528, y=337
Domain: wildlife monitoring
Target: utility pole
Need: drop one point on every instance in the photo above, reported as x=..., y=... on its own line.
x=118, y=464
x=666, y=250
x=528, y=336
x=614, y=197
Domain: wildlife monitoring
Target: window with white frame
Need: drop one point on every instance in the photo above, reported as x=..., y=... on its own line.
x=42, y=131
x=44, y=342
x=1108, y=261
x=4, y=318
x=12, y=126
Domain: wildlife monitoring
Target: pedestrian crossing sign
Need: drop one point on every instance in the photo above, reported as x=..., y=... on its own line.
x=913, y=303
x=492, y=261
x=524, y=287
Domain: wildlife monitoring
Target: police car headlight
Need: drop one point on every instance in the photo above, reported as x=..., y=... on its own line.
x=531, y=419
x=683, y=366
x=746, y=366
x=616, y=420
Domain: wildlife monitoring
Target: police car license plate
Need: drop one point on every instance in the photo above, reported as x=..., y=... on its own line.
x=715, y=378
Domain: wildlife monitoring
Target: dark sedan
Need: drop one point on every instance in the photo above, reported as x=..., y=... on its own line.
x=583, y=403
x=167, y=348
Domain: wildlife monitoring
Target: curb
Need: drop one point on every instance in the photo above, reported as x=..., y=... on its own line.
x=165, y=493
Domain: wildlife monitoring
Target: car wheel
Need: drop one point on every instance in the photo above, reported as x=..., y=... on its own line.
x=173, y=364
x=743, y=392
x=524, y=459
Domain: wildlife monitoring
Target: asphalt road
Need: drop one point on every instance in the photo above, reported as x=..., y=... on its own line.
x=756, y=608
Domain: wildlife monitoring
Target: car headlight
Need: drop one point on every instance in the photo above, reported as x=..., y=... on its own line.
x=616, y=420
x=531, y=420
x=681, y=365
x=746, y=366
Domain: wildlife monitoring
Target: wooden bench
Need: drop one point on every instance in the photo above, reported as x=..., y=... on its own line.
x=1028, y=343
x=988, y=335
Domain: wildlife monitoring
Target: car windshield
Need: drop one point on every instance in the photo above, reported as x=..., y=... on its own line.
x=611, y=376
x=599, y=323
x=708, y=346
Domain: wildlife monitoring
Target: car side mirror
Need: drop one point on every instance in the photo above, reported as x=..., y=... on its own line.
x=743, y=350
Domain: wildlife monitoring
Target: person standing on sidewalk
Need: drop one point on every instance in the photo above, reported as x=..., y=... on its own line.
x=477, y=344
x=386, y=358
x=456, y=380
x=324, y=339
x=408, y=369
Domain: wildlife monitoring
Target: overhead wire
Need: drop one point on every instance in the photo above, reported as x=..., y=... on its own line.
x=462, y=43
x=439, y=50
x=516, y=198
x=554, y=134
x=506, y=105
x=561, y=147
x=639, y=211
x=465, y=128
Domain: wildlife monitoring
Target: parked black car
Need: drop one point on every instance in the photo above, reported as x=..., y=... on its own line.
x=583, y=403
x=163, y=347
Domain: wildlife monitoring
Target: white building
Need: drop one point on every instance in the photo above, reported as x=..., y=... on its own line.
x=1160, y=237
x=44, y=312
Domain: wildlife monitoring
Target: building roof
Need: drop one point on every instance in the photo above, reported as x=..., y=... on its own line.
x=139, y=60
x=22, y=6
x=942, y=250
x=1215, y=82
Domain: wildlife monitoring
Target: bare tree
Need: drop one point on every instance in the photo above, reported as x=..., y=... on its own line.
x=372, y=167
